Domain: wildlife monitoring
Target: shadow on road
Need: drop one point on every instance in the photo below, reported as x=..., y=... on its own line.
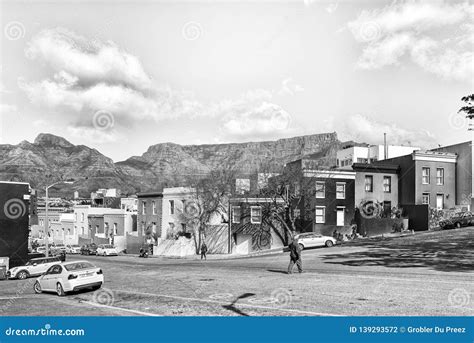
x=231, y=306
x=277, y=271
x=448, y=252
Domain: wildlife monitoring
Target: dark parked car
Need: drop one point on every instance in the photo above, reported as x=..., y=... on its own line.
x=457, y=221
x=89, y=249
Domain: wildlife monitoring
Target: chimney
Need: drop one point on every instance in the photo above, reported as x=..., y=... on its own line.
x=385, y=150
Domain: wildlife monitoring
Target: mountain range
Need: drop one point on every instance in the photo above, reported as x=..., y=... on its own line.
x=51, y=157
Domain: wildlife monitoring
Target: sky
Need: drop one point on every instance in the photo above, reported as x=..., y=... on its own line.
x=120, y=76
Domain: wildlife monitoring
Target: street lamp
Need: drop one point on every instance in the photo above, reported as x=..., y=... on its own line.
x=46, y=225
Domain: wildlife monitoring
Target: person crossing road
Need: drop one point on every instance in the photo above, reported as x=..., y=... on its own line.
x=295, y=256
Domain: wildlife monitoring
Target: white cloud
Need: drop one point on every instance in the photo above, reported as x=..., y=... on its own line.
x=92, y=135
x=415, y=29
x=90, y=61
x=93, y=76
x=90, y=76
x=289, y=87
x=265, y=120
x=365, y=129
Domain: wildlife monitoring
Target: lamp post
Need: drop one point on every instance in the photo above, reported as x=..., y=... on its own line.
x=46, y=224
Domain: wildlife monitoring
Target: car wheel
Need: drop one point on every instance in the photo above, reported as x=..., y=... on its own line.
x=59, y=290
x=458, y=225
x=329, y=243
x=22, y=275
x=301, y=246
x=37, y=287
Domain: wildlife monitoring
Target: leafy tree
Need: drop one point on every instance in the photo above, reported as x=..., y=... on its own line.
x=468, y=109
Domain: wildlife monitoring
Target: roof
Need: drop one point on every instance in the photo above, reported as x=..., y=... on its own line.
x=376, y=168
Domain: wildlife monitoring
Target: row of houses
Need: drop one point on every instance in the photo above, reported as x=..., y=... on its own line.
x=388, y=180
x=390, y=177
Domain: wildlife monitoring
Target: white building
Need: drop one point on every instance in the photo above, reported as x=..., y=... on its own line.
x=369, y=154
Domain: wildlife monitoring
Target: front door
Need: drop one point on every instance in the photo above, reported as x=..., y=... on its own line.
x=439, y=201
x=340, y=217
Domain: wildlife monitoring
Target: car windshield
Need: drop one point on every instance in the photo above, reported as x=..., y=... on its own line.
x=78, y=266
x=108, y=246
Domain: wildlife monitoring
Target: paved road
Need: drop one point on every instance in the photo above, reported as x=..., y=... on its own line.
x=428, y=274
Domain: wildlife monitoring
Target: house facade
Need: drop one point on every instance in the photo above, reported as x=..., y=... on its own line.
x=376, y=183
x=329, y=199
x=251, y=227
x=464, y=167
x=163, y=213
x=427, y=177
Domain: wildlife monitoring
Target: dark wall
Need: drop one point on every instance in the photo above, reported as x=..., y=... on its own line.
x=376, y=226
x=418, y=216
x=14, y=211
x=406, y=181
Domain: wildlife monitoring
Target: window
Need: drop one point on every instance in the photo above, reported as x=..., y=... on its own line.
x=144, y=207
x=320, y=214
x=362, y=160
x=369, y=183
x=425, y=173
x=115, y=229
x=320, y=189
x=440, y=176
x=153, y=206
x=96, y=228
x=387, y=184
x=183, y=227
x=236, y=214
x=296, y=213
x=106, y=228
x=425, y=198
x=171, y=206
x=82, y=217
x=255, y=214
x=340, y=190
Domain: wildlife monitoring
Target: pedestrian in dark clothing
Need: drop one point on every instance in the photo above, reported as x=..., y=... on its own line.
x=62, y=256
x=295, y=257
x=203, y=251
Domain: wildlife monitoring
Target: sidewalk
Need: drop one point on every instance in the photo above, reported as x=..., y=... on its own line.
x=215, y=256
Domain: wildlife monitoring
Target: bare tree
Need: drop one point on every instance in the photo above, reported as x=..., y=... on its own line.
x=209, y=201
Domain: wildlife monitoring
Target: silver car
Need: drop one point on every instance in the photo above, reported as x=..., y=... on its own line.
x=311, y=239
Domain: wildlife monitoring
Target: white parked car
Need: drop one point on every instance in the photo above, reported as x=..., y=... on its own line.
x=106, y=250
x=69, y=277
x=34, y=267
x=311, y=239
x=73, y=249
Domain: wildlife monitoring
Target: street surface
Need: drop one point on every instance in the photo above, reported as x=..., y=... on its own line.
x=429, y=274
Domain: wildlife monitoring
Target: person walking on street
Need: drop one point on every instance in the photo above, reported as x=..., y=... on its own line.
x=203, y=251
x=295, y=256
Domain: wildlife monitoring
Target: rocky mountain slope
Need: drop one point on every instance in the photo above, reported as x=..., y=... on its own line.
x=50, y=157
